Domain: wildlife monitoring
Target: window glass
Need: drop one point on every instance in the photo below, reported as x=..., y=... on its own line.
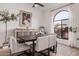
x=61, y=24
x=61, y=15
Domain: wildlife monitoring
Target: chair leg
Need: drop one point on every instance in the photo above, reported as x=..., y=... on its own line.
x=56, y=48
x=48, y=51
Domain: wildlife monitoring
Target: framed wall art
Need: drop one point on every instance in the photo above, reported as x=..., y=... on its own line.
x=25, y=18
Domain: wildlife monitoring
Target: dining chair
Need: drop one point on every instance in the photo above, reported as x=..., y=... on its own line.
x=53, y=42
x=42, y=44
x=16, y=47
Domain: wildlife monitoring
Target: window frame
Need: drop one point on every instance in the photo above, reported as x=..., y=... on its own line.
x=59, y=19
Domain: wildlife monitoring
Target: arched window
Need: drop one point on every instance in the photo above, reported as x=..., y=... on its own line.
x=61, y=15
x=61, y=20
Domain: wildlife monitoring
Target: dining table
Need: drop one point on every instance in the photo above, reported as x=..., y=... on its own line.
x=32, y=39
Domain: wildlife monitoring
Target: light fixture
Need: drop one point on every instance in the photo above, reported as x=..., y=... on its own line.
x=37, y=4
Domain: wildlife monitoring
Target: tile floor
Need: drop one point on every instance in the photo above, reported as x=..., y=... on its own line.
x=63, y=50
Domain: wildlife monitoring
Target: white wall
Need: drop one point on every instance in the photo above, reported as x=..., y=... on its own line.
x=47, y=17
x=15, y=8
x=75, y=23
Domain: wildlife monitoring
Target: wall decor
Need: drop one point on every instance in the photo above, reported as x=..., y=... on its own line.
x=25, y=18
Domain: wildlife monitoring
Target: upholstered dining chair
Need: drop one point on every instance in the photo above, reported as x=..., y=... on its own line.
x=42, y=44
x=46, y=42
x=16, y=47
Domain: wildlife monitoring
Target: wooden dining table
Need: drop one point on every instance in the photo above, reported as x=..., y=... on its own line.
x=24, y=39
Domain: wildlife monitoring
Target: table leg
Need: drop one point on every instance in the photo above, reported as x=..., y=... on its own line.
x=33, y=48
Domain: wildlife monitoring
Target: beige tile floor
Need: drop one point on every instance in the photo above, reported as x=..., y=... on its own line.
x=63, y=50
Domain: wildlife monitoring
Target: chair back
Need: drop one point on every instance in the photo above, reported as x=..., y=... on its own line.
x=42, y=43
x=52, y=40
x=13, y=44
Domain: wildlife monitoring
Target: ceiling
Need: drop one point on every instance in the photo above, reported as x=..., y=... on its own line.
x=50, y=6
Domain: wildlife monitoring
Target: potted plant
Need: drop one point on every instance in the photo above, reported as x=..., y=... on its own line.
x=5, y=16
x=73, y=29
